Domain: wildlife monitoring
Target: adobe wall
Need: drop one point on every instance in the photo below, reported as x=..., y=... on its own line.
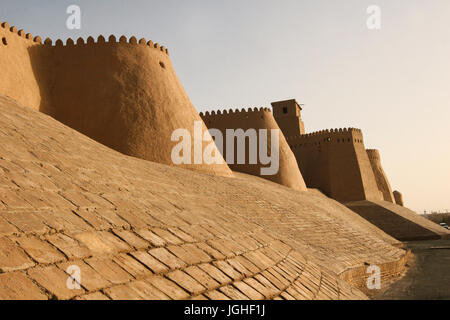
x=17, y=78
x=123, y=94
x=288, y=115
x=380, y=176
x=336, y=162
x=397, y=221
x=288, y=174
x=398, y=198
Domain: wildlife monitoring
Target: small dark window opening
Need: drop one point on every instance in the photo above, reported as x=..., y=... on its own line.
x=162, y=64
x=4, y=41
x=285, y=110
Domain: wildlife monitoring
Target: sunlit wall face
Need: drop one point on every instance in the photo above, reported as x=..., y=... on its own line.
x=392, y=82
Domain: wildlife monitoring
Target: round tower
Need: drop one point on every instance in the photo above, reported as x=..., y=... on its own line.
x=380, y=176
x=398, y=198
x=123, y=94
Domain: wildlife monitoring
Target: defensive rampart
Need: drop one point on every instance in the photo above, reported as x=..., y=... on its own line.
x=336, y=162
x=380, y=176
x=124, y=94
x=257, y=119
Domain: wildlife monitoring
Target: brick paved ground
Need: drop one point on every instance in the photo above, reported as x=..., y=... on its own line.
x=140, y=230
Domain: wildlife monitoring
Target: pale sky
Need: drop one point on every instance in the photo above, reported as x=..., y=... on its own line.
x=393, y=83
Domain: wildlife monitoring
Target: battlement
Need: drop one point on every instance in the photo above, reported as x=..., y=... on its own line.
x=20, y=33
x=101, y=40
x=81, y=42
x=243, y=112
x=342, y=135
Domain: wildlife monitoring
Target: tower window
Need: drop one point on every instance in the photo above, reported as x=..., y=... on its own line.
x=4, y=41
x=285, y=110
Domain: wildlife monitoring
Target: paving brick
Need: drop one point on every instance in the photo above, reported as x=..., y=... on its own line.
x=287, y=296
x=303, y=290
x=272, y=254
x=182, y=235
x=248, y=291
x=28, y=222
x=64, y=220
x=102, y=242
x=17, y=286
x=123, y=292
x=148, y=291
x=12, y=257
x=280, y=285
x=220, y=245
x=198, y=231
x=259, y=259
x=167, y=258
x=111, y=217
x=150, y=262
x=131, y=265
x=55, y=281
x=76, y=197
x=96, y=296
x=228, y=270
x=40, y=251
x=211, y=251
x=200, y=255
x=239, y=267
x=70, y=247
x=255, y=284
x=110, y=270
x=95, y=220
x=216, y=295
x=6, y=228
x=132, y=219
x=233, y=293
x=266, y=283
x=90, y=279
x=276, y=275
x=202, y=277
x=132, y=239
x=186, y=282
x=155, y=240
x=249, y=243
x=11, y=199
x=167, y=236
x=168, y=287
x=189, y=254
x=286, y=275
x=246, y=263
x=215, y=273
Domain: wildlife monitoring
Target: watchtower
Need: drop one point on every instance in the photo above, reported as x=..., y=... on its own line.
x=287, y=113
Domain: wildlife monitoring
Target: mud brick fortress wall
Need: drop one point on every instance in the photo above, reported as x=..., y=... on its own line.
x=382, y=181
x=336, y=162
x=288, y=173
x=129, y=84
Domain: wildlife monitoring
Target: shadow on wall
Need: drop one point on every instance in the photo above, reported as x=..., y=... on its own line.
x=125, y=95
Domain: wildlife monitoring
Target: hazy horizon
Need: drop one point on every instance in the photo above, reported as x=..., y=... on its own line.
x=392, y=83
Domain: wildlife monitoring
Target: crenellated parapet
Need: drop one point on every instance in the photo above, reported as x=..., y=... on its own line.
x=256, y=119
x=120, y=91
x=329, y=136
x=336, y=162
x=80, y=41
x=14, y=31
x=101, y=40
x=234, y=112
